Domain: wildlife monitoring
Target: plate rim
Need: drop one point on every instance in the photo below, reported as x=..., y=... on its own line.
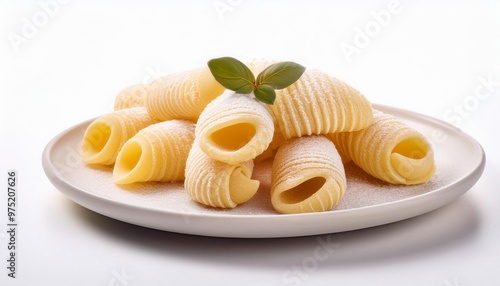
x=73, y=192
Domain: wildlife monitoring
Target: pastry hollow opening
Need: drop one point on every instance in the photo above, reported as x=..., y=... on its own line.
x=129, y=158
x=302, y=191
x=411, y=148
x=97, y=138
x=233, y=137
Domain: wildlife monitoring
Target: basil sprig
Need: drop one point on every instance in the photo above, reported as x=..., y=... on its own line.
x=235, y=75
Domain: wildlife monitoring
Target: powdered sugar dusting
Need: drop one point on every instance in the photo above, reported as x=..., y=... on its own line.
x=362, y=189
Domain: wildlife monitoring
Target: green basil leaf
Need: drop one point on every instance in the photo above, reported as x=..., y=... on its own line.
x=265, y=93
x=280, y=75
x=245, y=89
x=232, y=74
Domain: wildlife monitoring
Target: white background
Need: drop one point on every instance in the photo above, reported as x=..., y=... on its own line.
x=63, y=62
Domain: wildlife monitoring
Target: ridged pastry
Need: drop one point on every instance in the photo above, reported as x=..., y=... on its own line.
x=132, y=96
x=182, y=95
x=217, y=184
x=389, y=150
x=105, y=136
x=318, y=103
x=307, y=176
x=156, y=153
x=235, y=128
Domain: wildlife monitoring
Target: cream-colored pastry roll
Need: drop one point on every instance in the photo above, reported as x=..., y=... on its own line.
x=318, y=103
x=217, y=184
x=156, y=153
x=235, y=128
x=389, y=150
x=307, y=176
x=105, y=136
x=132, y=96
x=182, y=95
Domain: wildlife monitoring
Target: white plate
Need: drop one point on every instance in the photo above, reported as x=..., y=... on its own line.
x=368, y=202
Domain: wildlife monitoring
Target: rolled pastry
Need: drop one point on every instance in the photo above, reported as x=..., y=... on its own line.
x=234, y=128
x=307, y=176
x=131, y=96
x=389, y=150
x=156, y=153
x=320, y=104
x=182, y=95
x=105, y=136
x=217, y=184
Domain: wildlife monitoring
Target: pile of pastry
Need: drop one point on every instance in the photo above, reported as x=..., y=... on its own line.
x=187, y=127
